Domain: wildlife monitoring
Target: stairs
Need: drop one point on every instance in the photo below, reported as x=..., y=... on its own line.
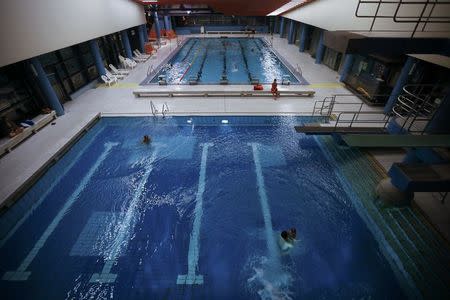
x=423, y=255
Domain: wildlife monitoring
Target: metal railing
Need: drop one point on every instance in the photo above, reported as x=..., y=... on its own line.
x=371, y=118
x=416, y=106
x=153, y=108
x=405, y=11
x=164, y=109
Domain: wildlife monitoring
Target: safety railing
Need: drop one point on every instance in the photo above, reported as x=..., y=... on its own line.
x=366, y=118
x=153, y=108
x=416, y=106
x=165, y=109
x=414, y=12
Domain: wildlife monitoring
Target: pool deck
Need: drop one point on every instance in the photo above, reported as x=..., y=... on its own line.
x=25, y=160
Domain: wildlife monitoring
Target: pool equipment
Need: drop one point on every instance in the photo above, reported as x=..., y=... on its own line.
x=162, y=80
x=224, y=79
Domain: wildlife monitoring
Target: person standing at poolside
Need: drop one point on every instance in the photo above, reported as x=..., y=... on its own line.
x=274, y=89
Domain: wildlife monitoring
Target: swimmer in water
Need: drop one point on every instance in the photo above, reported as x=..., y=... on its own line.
x=146, y=139
x=287, y=240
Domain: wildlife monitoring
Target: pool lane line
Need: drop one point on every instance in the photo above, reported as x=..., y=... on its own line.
x=125, y=226
x=190, y=65
x=264, y=202
x=194, y=243
x=41, y=199
x=21, y=274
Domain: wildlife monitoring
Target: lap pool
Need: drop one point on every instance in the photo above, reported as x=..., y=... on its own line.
x=194, y=215
x=235, y=60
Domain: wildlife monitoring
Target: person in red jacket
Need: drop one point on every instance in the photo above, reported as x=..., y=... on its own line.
x=274, y=89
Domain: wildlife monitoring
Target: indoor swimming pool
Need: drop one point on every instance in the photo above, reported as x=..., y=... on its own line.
x=195, y=214
x=226, y=61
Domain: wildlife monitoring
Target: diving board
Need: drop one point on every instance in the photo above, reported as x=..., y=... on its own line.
x=323, y=130
x=395, y=141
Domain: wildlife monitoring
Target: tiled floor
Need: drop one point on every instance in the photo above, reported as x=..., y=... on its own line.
x=26, y=159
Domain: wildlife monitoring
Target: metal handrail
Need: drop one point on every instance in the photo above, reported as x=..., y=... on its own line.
x=355, y=116
x=154, y=109
x=150, y=70
x=164, y=109
x=421, y=16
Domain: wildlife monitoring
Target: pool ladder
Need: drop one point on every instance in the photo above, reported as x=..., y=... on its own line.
x=164, y=109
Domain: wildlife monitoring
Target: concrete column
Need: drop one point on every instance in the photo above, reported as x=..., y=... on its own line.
x=157, y=27
x=141, y=38
x=320, y=49
x=95, y=50
x=46, y=87
x=401, y=81
x=126, y=43
x=281, y=26
x=440, y=123
x=348, y=63
x=144, y=30
x=303, y=38
x=167, y=23
x=291, y=32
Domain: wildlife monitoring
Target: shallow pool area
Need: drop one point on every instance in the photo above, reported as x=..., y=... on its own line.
x=196, y=214
x=225, y=60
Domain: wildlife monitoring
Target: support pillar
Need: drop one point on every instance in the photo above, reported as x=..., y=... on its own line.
x=439, y=124
x=126, y=43
x=281, y=27
x=46, y=87
x=291, y=32
x=348, y=63
x=95, y=50
x=304, y=37
x=401, y=81
x=144, y=30
x=167, y=23
x=157, y=26
x=320, y=49
x=141, y=38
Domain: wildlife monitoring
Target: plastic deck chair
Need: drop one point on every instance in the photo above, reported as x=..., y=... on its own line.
x=137, y=56
x=118, y=71
x=140, y=54
x=107, y=80
x=114, y=77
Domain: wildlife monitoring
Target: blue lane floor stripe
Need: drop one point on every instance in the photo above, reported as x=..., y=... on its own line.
x=125, y=227
x=263, y=200
x=194, y=244
x=47, y=192
x=21, y=274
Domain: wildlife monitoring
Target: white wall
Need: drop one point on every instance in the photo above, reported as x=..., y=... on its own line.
x=30, y=28
x=340, y=15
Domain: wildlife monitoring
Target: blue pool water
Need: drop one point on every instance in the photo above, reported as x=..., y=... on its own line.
x=240, y=59
x=203, y=204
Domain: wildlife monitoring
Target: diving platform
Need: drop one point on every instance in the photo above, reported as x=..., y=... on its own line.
x=317, y=129
x=396, y=141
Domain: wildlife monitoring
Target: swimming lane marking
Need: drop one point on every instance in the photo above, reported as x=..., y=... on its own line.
x=194, y=243
x=21, y=274
x=125, y=227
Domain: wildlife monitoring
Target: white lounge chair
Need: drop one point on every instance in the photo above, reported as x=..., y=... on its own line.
x=108, y=81
x=128, y=63
x=139, y=59
x=139, y=54
x=112, y=76
x=116, y=71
